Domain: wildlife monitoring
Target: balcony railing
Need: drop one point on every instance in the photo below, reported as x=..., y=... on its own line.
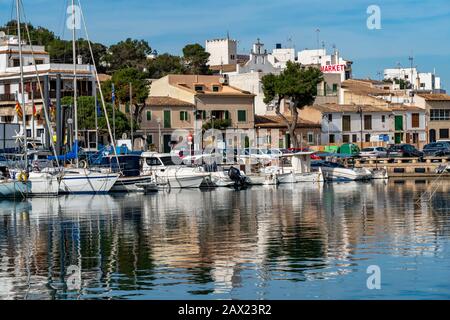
x=7, y=97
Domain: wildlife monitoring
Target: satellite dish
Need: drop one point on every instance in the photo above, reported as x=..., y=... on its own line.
x=124, y=136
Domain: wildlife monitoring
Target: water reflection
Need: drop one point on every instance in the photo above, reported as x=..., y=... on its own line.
x=293, y=242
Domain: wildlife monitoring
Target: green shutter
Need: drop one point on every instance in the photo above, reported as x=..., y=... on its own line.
x=227, y=115
x=149, y=116
x=167, y=120
x=242, y=116
x=399, y=123
x=181, y=115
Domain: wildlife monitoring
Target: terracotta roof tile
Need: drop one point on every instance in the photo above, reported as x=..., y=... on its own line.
x=269, y=121
x=166, y=101
x=435, y=97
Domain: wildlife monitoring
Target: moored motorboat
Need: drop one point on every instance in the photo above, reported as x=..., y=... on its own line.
x=167, y=171
x=337, y=172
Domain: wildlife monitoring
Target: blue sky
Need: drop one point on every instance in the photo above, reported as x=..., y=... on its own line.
x=409, y=27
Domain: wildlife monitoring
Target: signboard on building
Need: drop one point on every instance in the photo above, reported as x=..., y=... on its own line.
x=333, y=68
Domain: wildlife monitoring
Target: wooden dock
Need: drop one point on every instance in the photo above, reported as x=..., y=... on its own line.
x=407, y=167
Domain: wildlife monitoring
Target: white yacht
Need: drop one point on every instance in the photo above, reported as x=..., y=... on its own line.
x=337, y=172
x=166, y=171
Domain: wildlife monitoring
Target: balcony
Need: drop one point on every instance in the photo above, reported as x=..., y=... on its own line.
x=7, y=97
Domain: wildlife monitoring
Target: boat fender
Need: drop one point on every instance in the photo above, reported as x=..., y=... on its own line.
x=83, y=164
x=22, y=177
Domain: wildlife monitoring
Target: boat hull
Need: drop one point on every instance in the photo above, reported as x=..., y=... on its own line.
x=313, y=177
x=263, y=180
x=12, y=189
x=180, y=181
x=343, y=174
x=84, y=181
x=43, y=185
x=129, y=184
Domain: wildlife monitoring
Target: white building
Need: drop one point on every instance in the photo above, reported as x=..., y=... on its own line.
x=422, y=81
x=10, y=91
x=369, y=125
x=280, y=56
x=222, y=52
x=329, y=63
x=248, y=77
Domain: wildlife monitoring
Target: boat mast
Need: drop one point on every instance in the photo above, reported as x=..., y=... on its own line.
x=75, y=94
x=22, y=87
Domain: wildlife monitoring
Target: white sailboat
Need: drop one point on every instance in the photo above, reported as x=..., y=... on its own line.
x=82, y=180
x=34, y=183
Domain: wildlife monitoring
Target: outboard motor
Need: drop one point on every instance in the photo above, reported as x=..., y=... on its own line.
x=236, y=176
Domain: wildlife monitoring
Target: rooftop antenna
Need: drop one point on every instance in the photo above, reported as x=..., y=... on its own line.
x=318, y=38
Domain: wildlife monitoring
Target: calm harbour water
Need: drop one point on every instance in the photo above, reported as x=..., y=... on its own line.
x=293, y=242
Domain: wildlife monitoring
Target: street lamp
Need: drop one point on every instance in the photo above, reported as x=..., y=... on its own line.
x=158, y=120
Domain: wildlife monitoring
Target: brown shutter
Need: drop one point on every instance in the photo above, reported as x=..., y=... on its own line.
x=415, y=120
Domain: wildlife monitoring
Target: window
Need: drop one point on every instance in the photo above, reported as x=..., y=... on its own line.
x=415, y=120
x=335, y=88
x=39, y=61
x=330, y=117
x=127, y=108
x=232, y=57
x=242, y=116
x=40, y=133
x=383, y=119
x=345, y=138
x=149, y=115
x=332, y=138
x=310, y=138
x=440, y=115
x=150, y=139
x=227, y=115
x=184, y=116
x=216, y=88
x=198, y=88
x=368, y=137
x=16, y=63
x=346, y=123
x=367, y=122
x=444, y=134
x=354, y=138
x=28, y=133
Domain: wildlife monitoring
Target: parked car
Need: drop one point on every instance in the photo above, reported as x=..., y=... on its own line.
x=437, y=149
x=373, y=152
x=404, y=150
x=297, y=150
x=349, y=149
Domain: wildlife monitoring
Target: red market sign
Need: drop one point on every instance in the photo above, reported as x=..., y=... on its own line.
x=334, y=68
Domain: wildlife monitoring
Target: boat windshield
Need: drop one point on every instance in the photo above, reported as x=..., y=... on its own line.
x=162, y=161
